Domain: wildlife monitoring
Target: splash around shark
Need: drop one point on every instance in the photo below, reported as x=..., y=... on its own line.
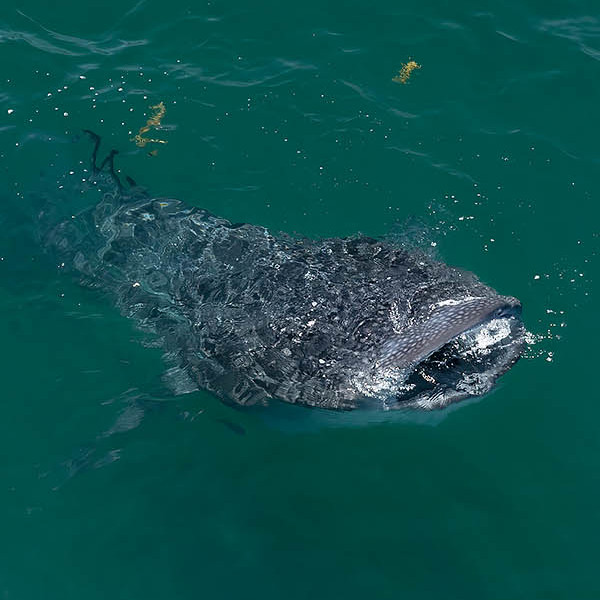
x=255, y=317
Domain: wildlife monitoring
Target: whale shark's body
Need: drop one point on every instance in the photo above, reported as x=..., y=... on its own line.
x=332, y=323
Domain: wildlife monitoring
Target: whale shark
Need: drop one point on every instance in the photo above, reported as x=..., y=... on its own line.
x=256, y=317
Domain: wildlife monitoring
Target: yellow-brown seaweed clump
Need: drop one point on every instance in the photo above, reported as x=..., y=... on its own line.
x=153, y=122
x=405, y=71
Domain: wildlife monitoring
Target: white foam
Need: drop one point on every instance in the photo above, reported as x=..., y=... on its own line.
x=491, y=333
x=380, y=383
x=454, y=302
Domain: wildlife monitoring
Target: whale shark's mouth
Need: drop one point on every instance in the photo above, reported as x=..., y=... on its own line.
x=466, y=366
x=459, y=351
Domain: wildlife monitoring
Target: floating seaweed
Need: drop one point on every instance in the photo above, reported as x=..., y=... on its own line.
x=405, y=71
x=153, y=122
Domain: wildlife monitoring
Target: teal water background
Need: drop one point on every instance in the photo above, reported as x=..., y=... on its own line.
x=286, y=115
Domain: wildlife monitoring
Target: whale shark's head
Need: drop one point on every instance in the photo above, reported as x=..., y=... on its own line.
x=456, y=351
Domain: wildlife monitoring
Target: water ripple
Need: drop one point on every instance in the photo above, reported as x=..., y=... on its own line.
x=55, y=42
x=270, y=73
x=581, y=30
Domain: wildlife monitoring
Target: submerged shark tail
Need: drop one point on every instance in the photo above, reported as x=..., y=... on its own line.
x=108, y=162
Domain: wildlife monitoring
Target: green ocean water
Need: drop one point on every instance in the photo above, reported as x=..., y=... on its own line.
x=286, y=115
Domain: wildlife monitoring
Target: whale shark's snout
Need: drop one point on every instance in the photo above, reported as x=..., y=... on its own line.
x=447, y=320
x=457, y=351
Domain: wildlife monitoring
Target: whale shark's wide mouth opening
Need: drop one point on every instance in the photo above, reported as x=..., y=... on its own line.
x=447, y=320
x=459, y=351
x=466, y=366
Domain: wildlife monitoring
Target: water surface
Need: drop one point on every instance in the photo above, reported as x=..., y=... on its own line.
x=287, y=116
